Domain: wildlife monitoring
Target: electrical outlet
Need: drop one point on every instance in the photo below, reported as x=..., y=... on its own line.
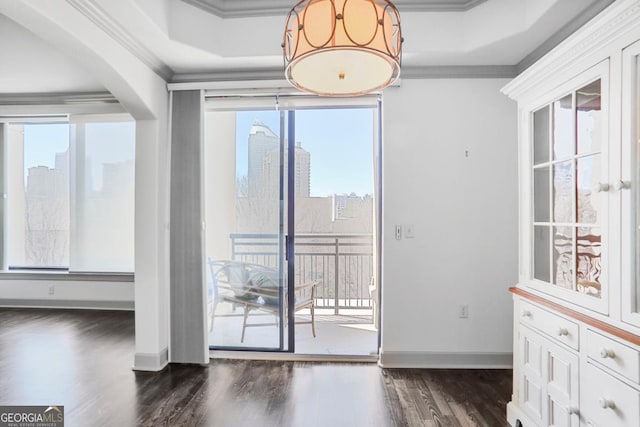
x=52, y=290
x=463, y=311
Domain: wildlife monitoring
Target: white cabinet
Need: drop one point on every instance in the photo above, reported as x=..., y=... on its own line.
x=548, y=382
x=577, y=316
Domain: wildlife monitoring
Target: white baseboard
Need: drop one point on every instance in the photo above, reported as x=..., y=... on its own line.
x=151, y=361
x=74, y=304
x=257, y=355
x=442, y=360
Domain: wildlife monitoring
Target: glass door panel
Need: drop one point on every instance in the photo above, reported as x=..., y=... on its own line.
x=245, y=211
x=567, y=208
x=628, y=185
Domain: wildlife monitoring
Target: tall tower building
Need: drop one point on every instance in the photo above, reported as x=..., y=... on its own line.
x=264, y=164
x=262, y=141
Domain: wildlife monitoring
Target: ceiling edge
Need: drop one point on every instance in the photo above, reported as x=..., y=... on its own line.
x=425, y=72
x=222, y=10
x=116, y=31
x=569, y=28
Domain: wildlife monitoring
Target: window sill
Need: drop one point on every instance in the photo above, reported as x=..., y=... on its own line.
x=65, y=276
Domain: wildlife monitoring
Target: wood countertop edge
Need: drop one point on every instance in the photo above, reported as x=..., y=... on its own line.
x=605, y=327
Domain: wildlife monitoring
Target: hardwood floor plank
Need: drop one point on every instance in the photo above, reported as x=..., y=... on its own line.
x=82, y=360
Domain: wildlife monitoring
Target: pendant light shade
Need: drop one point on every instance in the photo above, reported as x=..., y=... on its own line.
x=342, y=47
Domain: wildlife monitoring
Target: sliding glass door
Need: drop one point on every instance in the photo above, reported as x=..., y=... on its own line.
x=246, y=212
x=275, y=279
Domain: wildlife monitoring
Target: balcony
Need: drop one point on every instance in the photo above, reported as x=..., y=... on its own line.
x=343, y=267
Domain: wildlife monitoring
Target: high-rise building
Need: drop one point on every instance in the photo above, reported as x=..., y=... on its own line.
x=263, y=175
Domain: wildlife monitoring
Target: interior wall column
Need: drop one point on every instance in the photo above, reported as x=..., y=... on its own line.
x=151, y=248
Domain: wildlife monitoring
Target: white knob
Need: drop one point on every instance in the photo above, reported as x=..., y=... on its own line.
x=573, y=410
x=562, y=332
x=526, y=313
x=606, y=403
x=600, y=187
x=623, y=185
x=607, y=353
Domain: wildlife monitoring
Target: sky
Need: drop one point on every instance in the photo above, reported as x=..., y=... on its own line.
x=340, y=142
x=108, y=142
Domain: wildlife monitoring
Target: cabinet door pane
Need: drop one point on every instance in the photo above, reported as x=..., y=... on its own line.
x=588, y=255
x=587, y=199
x=541, y=249
x=541, y=136
x=563, y=192
x=563, y=133
x=589, y=118
x=541, y=189
x=563, y=257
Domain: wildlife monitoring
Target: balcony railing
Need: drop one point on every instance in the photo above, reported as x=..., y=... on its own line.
x=341, y=263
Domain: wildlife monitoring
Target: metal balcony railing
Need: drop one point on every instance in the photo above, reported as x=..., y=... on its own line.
x=341, y=263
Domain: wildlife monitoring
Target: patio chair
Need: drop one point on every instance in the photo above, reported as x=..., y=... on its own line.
x=256, y=287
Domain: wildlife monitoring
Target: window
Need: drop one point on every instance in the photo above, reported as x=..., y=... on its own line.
x=70, y=189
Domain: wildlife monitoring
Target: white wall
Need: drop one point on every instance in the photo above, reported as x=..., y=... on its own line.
x=464, y=210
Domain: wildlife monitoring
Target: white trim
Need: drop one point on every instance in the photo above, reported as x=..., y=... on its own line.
x=264, y=355
x=152, y=362
x=230, y=85
x=445, y=360
x=246, y=87
x=68, y=304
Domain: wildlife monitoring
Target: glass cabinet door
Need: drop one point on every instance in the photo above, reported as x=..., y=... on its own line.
x=568, y=190
x=627, y=185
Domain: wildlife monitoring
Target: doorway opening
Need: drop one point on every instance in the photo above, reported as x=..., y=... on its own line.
x=291, y=227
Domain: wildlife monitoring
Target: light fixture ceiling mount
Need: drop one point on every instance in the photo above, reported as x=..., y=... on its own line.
x=342, y=47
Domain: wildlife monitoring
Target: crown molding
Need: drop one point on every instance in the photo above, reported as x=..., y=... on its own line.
x=422, y=72
x=586, y=44
x=96, y=14
x=83, y=98
x=569, y=28
x=257, y=8
x=459, y=72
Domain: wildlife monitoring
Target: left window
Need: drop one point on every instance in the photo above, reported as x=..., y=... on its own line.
x=70, y=195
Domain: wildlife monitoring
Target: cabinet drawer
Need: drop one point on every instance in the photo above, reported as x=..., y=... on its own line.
x=607, y=401
x=614, y=355
x=551, y=324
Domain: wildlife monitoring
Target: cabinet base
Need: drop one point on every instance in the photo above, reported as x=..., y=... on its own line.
x=515, y=414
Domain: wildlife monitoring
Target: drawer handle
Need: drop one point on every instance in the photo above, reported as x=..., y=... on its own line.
x=563, y=332
x=622, y=185
x=526, y=313
x=573, y=411
x=606, y=403
x=607, y=353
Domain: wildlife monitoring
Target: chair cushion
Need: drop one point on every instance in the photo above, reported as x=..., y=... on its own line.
x=267, y=281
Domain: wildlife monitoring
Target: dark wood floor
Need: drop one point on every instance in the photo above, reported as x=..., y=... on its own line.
x=82, y=360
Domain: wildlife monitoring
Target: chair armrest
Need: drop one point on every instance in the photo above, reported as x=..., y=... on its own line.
x=304, y=286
